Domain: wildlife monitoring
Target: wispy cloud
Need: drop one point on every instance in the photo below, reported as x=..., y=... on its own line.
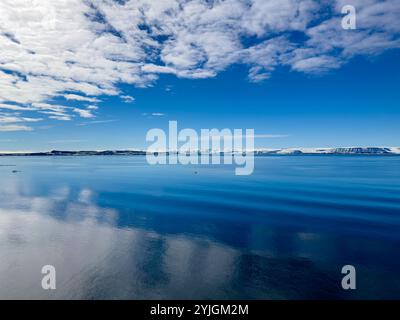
x=14, y=127
x=96, y=122
x=153, y=114
x=82, y=49
x=13, y=119
x=14, y=122
x=80, y=98
x=127, y=99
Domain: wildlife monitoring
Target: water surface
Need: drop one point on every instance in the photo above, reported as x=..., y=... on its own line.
x=115, y=227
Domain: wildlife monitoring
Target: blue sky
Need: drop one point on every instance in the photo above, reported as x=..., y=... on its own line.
x=298, y=80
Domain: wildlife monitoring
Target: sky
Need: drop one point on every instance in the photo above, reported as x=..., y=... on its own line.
x=98, y=74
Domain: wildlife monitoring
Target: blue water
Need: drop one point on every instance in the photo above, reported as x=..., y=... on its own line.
x=115, y=227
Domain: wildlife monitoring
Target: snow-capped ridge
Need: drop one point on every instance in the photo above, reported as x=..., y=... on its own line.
x=341, y=150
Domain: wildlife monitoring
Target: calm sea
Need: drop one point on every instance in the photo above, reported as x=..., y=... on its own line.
x=115, y=227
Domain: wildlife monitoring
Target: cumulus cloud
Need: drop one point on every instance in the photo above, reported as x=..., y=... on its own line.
x=78, y=50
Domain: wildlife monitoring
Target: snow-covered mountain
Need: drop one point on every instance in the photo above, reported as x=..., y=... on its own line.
x=347, y=150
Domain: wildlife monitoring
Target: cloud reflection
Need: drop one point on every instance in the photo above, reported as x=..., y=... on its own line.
x=123, y=251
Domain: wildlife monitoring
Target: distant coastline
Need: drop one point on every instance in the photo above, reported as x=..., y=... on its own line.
x=257, y=152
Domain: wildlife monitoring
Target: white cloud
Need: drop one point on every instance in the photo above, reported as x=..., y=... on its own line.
x=60, y=117
x=83, y=113
x=12, y=119
x=315, y=64
x=258, y=74
x=14, y=127
x=82, y=49
x=266, y=16
x=127, y=99
x=96, y=122
x=80, y=98
x=15, y=107
x=153, y=114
